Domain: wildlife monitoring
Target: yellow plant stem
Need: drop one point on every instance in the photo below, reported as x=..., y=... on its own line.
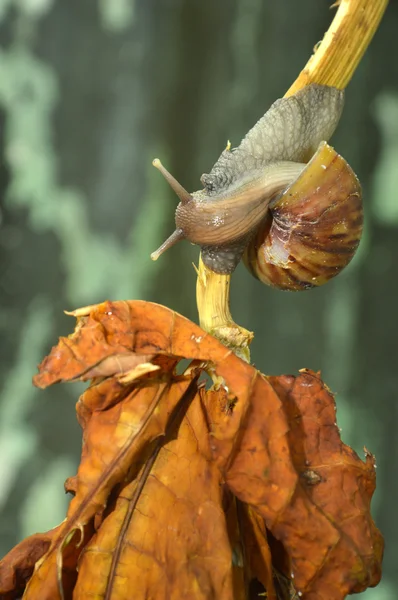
x=212, y=294
x=333, y=63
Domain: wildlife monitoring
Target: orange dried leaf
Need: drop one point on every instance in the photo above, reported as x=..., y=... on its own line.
x=161, y=457
x=129, y=329
x=258, y=559
x=337, y=483
x=313, y=491
x=166, y=538
x=114, y=445
x=17, y=567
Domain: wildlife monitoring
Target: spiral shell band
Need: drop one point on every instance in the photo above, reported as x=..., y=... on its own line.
x=312, y=230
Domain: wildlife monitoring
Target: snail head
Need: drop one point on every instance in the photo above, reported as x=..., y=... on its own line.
x=185, y=198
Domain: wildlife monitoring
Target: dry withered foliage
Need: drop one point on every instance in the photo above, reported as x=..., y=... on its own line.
x=189, y=493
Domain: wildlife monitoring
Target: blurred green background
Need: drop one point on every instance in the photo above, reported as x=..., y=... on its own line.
x=90, y=92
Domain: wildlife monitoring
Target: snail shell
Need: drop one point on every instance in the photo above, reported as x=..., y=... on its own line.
x=298, y=224
x=313, y=229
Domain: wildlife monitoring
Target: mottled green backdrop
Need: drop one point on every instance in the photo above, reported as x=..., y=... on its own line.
x=90, y=92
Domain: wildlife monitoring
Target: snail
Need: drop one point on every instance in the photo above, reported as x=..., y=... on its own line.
x=283, y=199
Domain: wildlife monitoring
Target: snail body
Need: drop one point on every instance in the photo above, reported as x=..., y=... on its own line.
x=237, y=211
x=297, y=224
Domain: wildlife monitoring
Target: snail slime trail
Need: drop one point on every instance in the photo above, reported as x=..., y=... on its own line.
x=283, y=199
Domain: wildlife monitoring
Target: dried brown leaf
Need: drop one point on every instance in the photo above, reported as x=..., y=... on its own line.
x=312, y=490
x=17, y=570
x=167, y=536
x=161, y=457
x=114, y=444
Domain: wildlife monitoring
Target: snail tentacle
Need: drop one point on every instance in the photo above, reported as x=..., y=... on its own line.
x=181, y=192
x=175, y=237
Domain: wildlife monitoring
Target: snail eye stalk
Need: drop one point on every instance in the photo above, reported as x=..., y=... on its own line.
x=173, y=239
x=181, y=192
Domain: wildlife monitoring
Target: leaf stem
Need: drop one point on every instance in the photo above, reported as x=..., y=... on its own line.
x=333, y=63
